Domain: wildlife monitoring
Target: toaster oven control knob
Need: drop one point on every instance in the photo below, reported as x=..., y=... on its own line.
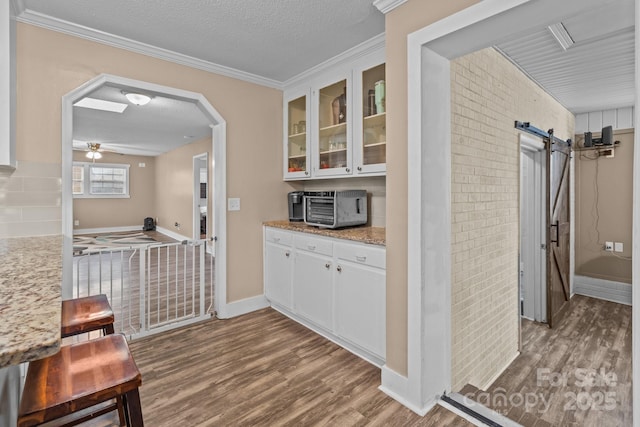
x=306, y=173
x=339, y=268
x=348, y=170
x=327, y=266
x=287, y=254
x=359, y=168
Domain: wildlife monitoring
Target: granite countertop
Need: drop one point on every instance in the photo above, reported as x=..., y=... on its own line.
x=364, y=234
x=30, y=298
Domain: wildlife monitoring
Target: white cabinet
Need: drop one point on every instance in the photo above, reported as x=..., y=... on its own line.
x=360, y=301
x=335, y=122
x=336, y=287
x=278, y=263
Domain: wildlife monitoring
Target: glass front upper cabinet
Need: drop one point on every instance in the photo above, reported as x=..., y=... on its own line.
x=374, y=130
x=333, y=155
x=297, y=141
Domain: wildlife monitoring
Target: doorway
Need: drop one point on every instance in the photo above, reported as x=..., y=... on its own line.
x=217, y=133
x=201, y=196
x=533, y=289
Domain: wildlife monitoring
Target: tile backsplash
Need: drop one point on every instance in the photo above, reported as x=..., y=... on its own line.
x=31, y=200
x=376, y=188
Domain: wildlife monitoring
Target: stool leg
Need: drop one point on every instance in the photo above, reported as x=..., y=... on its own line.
x=108, y=330
x=121, y=410
x=134, y=409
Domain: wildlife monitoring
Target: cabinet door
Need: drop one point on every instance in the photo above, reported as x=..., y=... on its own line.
x=333, y=103
x=360, y=306
x=296, y=144
x=312, y=291
x=370, y=139
x=277, y=274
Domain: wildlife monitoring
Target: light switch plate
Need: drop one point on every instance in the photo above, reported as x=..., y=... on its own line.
x=233, y=204
x=618, y=247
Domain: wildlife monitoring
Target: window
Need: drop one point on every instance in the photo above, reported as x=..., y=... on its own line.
x=91, y=180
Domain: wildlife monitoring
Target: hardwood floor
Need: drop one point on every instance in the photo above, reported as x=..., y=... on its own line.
x=262, y=369
x=265, y=369
x=578, y=374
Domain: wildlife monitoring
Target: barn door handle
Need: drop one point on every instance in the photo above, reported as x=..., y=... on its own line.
x=557, y=241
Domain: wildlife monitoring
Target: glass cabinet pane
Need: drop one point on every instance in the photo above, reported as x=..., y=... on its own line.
x=297, y=135
x=332, y=119
x=374, y=136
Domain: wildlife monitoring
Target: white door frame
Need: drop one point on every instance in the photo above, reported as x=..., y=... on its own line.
x=219, y=147
x=429, y=177
x=532, y=253
x=196, y=193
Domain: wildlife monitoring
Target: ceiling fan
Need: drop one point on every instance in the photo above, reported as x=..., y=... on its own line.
x=94, y=151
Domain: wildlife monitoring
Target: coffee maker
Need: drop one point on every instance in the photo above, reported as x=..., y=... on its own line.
x=296, y=206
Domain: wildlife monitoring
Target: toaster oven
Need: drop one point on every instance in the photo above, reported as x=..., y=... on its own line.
x=335, y=209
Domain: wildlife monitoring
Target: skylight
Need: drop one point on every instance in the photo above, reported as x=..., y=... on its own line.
x=100, y=104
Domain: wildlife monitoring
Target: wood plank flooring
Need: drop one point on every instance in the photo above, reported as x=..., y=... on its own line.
x=262, y=369
x=265, y=369
x=578, y=374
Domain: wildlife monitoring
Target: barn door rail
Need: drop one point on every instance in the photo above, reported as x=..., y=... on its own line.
x=526, y=127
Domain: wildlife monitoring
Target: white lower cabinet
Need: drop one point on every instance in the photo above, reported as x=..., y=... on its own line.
x=360, y=306
x=312, y=277
x=334, y=286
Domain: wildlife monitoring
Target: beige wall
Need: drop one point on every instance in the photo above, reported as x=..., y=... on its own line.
x=174, y=187
x=100, y=213
x=51, y=64
x=488, y=93
x=607, y=180
x=411, y=16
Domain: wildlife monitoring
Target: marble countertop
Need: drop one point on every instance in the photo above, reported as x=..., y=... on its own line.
x=364, y=234
x=30, y=298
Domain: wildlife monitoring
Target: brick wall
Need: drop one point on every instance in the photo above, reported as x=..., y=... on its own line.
x=488, y=93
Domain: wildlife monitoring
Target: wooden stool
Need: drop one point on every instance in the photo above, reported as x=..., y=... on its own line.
x=80, y=376
x=86, y=314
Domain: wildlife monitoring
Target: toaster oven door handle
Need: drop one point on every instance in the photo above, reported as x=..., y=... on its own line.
x=358, y=205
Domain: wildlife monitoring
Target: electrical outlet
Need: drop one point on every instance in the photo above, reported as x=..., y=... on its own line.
x=76, y=222
x=618, y=247
x=608, y=246
x=233, y=204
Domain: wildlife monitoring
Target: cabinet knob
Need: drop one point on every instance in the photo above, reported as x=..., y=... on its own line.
x=348, y=170
x=287, y=254
x=339, y=268
x=327, y=266
x=359, y=168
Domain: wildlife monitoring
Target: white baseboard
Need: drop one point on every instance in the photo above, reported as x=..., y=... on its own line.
x=396, y=386
x=238, y=308
x=172, y=234
x=495, y=377
x=603, y=289
x=107, y=229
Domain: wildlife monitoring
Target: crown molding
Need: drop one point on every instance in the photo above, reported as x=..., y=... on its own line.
x=386, y=6
x=369, y=46
x=44, y=21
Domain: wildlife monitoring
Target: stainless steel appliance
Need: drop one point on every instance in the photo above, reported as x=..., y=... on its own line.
x=296, y=205
x=335, y=209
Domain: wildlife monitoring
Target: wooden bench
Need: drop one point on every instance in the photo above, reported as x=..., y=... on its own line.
x=81, y=315
x=80, y=376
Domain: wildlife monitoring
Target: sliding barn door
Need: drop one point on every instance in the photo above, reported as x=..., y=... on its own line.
x=558, y=229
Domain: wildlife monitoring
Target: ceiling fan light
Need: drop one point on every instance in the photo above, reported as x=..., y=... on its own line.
x=93, y=155
x=137, y=98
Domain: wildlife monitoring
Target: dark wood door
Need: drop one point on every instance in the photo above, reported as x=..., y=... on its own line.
x=558, y=229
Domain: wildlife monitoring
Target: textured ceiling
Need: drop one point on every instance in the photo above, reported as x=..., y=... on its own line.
x=275, y=39
x=148, y=130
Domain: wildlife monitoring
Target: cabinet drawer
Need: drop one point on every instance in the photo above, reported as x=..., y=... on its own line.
x=280, y=237
x=373, y=257
x=313, y=244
